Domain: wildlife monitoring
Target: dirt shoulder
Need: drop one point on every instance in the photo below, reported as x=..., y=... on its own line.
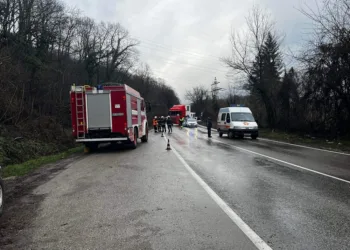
x=21, y=205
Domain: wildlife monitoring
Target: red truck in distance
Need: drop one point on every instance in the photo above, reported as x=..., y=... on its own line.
x=108, y=114
x=178, y=111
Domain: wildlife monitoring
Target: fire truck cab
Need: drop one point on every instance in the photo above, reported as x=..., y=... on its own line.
x=108, y=114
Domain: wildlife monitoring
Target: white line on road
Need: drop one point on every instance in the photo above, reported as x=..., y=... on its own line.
x=285, y=162
x=257, y=241
x=302, y=146
x=295, y=145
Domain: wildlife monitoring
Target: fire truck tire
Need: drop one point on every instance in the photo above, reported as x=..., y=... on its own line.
x=145, y=137
x=134, y=145
x=92, y=146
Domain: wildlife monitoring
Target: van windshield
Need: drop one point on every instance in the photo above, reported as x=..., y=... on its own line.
x=242, y=117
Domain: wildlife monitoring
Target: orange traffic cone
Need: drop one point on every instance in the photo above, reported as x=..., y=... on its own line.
x=168, y=145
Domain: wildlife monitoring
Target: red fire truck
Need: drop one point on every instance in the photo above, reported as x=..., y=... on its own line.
x=112, y=113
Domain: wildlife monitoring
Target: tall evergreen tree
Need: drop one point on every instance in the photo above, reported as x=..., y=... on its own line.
x=264, y=80
x=289, y=98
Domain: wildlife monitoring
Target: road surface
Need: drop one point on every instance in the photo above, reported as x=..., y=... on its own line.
x=203, y=194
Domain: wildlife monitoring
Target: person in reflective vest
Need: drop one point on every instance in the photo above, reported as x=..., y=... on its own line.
x=155, y=124
x=181, y=121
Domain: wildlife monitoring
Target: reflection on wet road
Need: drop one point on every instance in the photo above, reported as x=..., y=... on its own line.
x=288, y=207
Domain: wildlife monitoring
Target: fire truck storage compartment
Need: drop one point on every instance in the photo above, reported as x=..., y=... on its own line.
x=98, y=110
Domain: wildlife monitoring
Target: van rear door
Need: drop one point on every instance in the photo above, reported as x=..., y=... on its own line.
x=221, y=122
x=228, y=122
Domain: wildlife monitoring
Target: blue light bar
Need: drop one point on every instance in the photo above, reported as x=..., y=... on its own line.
x=99, y=87
x=237, y=105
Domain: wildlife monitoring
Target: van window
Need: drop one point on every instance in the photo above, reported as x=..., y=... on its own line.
x=223, y=116
x=228, y=118
x=242, y=117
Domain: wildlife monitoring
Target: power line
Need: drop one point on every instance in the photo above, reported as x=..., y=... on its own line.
x=166, y=60
x=159, y=49
x=174, y=49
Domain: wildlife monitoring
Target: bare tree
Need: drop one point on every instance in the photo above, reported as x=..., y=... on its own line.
x=121, y=51
x=199, y=97
x=246, y=45
x=44, y=48
x=198, y=94
x=327, y=64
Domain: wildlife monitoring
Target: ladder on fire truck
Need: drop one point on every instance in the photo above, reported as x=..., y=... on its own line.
x=80, y=112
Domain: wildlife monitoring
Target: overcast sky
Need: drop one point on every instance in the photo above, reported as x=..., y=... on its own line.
x=182, y=40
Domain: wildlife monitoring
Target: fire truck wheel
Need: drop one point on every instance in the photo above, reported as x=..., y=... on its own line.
x=134, y=145
x=145, y=137
x=92, y=146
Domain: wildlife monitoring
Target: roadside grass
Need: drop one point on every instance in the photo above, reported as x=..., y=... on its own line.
x=340, y=145
x=28, y=166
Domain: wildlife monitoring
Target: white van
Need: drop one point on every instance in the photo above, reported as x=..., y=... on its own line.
x=237, y=121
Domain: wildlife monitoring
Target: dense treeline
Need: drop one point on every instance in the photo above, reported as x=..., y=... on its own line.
x=45, y=47
x=313, y=97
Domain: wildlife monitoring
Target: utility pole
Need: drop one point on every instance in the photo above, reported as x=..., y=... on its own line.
x=214, y=93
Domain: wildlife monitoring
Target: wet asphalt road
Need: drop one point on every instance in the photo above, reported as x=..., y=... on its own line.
x=288, y=207
x=130, y=199
x=147, y=199
x=335, y=164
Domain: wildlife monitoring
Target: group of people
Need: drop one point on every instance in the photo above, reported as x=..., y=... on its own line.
x=161, y=123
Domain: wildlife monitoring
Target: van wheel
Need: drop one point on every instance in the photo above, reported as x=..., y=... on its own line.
x=2, y=197
x=145, y=137
x=231, y=135
x=134, y=145
x=254, y=137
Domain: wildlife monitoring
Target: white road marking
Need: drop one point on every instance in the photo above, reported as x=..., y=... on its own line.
x=302, y=146
x=285, y=162
x=296, y=145
x=257, y=241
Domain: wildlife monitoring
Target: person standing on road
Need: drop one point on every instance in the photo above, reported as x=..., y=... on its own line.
x=181, y=121
x=163, y=124
x=159, y=122
x=209, y=126
x=170, y=124
x=155, y=124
